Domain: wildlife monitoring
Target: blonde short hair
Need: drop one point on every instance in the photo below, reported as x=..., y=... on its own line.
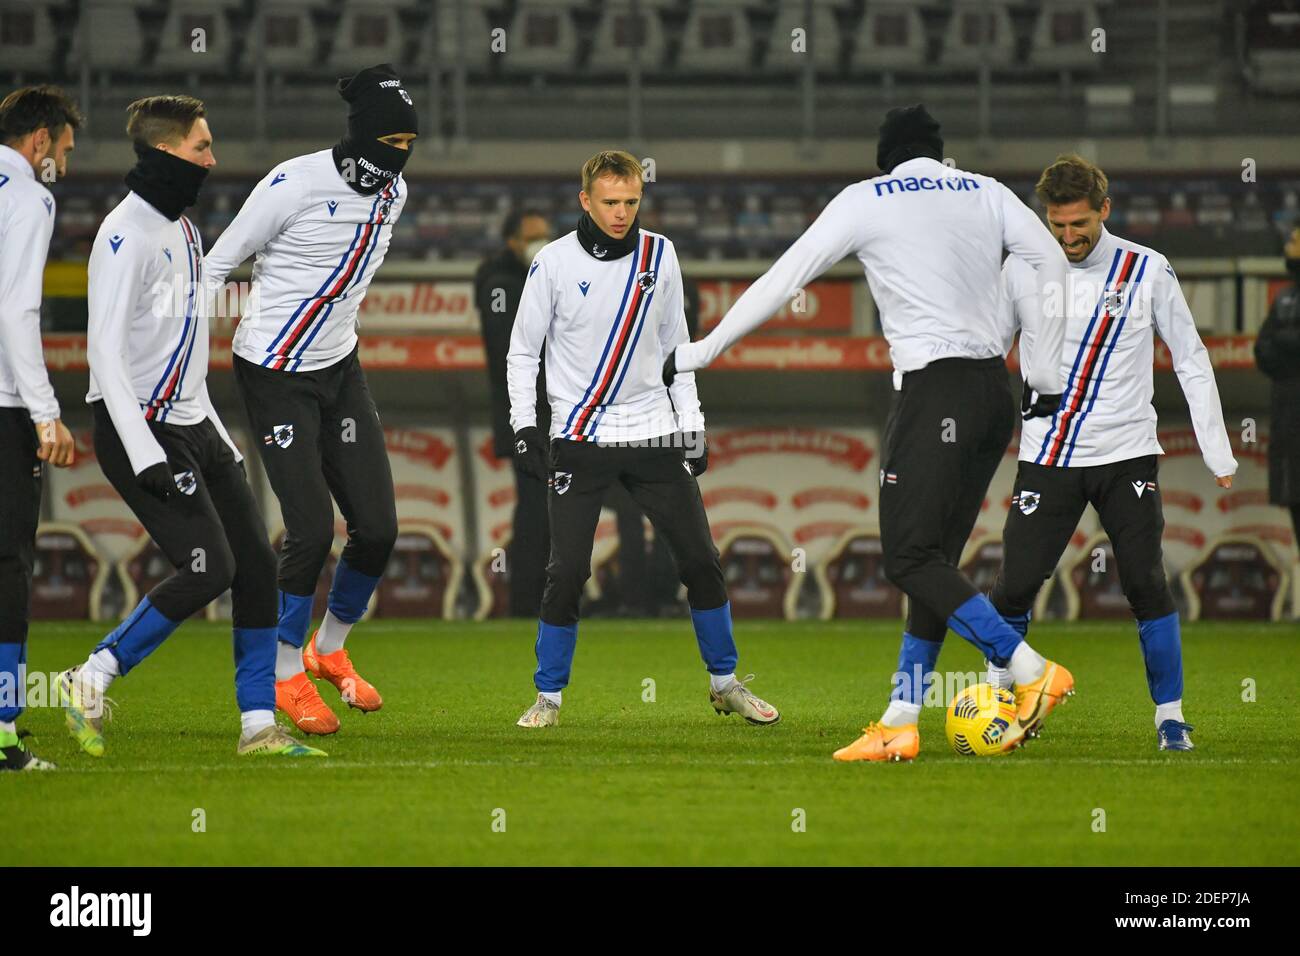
x=610, y=162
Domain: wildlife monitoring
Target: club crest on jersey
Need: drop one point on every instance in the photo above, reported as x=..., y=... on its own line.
x=646, y=281
x=385, y=208
x=185, y=482
x=1140, y=486
x=281, y=435
x=561, y=481
x=1028, y=501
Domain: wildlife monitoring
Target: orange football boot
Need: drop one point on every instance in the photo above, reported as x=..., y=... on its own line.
x=1035, y=701
x=298, y=698
x=338, y=670
x=879, y=742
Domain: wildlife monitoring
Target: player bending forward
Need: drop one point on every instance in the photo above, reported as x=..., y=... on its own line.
x=1100, y=448
x=320, y=226
x=158, y=438
x=606, y=300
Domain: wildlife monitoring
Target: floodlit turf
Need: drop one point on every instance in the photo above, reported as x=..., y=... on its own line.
x=626, y=781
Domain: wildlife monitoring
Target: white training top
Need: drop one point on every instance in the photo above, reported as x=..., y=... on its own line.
x=26, y=224
x=930, y=238
x=607, y=326
x=1119, y=295
x=147, y=335
x=318, y=244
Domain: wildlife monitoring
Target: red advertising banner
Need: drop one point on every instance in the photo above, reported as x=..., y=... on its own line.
x=826, y=306
x=449, y=353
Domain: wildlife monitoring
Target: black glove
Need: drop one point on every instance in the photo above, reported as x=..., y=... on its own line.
x=157, y=480
x=530, y=453
x=670, y=368
x=696, y=445
x=1041, y=407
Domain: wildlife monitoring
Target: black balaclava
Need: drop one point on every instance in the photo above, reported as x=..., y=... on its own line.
x=908, y=132
x=166, y=182
x=599, y=244
x=380, y=106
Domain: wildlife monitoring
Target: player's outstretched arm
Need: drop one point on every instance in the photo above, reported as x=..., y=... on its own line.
x=1177, y=327
x=115, y=288
x=1024, y=235
x=265, y=213
x=836, y=233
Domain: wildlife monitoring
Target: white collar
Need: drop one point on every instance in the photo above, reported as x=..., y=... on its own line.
x=11, y=157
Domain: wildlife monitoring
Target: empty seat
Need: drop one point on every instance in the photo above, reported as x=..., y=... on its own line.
x=716, y=39
x=367, y=33
x=108, y=36
x=890, y=37
x=26, y=36
x=196, y=37
x=978, y=33
x=618, y=32
x=542, y=37
x=289, y=37
x=1062, y=37
x=821, y=39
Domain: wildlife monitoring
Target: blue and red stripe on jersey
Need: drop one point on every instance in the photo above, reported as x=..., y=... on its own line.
x=1093, y=355
x=315, y=309
x=619, y=344
x=169, y=385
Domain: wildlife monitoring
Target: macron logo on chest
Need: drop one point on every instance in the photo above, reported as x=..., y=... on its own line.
x=116, y=243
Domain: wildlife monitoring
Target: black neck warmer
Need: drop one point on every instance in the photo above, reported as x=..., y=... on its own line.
x=908, y=132
x=379, y=107
x=1293, y=267
x=166, y=182
x=601, y=245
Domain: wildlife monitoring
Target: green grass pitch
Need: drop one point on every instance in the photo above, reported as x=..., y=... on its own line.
x=626, y=781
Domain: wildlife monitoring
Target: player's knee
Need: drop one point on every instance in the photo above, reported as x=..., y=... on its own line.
x=705, y=584
x=210, y=572
x=1149, y=596
x=374, y=539
x=563, y=592
x=1011, y=597
x=311, y=545
x=900, y=565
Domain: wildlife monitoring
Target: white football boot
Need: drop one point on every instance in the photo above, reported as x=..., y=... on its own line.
x=738, y=699
x=541, y=714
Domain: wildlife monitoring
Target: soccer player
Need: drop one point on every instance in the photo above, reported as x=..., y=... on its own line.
x=158, y=438
x=37, y=131
x=930, y=238
x=1100, y=448
x=320, y=225
x=606, y=300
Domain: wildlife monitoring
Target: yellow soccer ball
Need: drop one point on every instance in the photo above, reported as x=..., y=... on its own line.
x=978, y=720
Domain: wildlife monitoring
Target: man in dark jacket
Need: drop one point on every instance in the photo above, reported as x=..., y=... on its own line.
x=1277, y=353
x=498, y=284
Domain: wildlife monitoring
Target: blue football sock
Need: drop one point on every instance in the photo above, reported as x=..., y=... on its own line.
x=713, y=634
x=555, y=646
x=295, y=618
x=138, y=636
x=1019, y=622
x=979, y=622
x=12, y=680
x=255, y=668
x=1162, y=650
x=916, y=660
x=350, y=593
